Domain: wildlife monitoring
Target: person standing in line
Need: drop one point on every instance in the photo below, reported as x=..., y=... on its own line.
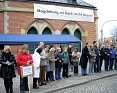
x=36, y=65
x=43, y=65
x=70, y=50
x=112, y=57
x=107, y=57
x=115, y=66
x=23, y=58
x=58, y=63
x=92, y=57
x=97, y=63
x=101, y=50
x=75, y=60
x=52, y=63
x=66, y=61
x=48, y=65
x=7, y=60
x=84, y=60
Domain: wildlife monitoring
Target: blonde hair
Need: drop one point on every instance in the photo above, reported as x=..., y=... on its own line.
x=7, y=48
x=65, y=48
x=25, y=46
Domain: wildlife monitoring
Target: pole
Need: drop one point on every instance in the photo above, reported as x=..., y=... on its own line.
x=101, y=37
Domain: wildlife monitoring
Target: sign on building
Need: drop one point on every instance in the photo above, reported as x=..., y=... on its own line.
x=63, y=13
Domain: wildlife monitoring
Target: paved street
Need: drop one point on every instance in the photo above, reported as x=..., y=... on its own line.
x=105, y=85
x=73, y=82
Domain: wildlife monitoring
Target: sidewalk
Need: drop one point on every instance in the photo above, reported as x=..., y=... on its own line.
x=73, y=81
x=60, y=84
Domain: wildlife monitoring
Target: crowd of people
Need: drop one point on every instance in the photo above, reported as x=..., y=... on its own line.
x=54, y=63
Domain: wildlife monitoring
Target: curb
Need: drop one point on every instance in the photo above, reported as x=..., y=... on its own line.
x=73, y=85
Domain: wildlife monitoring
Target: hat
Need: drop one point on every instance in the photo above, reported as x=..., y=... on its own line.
x=39, y=50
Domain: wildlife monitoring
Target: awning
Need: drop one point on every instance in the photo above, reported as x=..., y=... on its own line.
x=16, y=39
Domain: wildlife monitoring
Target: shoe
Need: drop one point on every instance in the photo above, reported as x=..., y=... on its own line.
x=69, y=76
x=60, y=78
x=22, y=91
x=40, y=84
x=83, y=74
x=43, y=83
x=35, y=87
x=75, y=74
x=27, y=89
x=11, y=92
x=48, y=81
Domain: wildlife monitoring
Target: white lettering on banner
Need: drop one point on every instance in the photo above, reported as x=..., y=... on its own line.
x=63, y=13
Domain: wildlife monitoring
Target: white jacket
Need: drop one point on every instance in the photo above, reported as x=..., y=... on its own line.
x=36, y=64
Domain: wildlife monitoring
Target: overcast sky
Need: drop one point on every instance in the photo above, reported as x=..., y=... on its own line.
x=107, y=10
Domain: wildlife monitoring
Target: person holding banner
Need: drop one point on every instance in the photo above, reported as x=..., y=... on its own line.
x=7, y=61
x=36, y=65
x=23, y=58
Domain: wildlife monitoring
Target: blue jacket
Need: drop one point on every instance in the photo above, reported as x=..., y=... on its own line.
x=112, y=53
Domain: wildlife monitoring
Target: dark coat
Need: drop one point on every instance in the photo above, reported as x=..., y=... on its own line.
x=107, y=53
x=96, y=52
x=58, y=63
x=7, y=71
x=84, y=57
x=101, y=53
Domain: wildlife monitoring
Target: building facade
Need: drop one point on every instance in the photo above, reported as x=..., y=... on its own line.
x=17, y=17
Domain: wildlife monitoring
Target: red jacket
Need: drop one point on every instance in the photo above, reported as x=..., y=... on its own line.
x=22, y=59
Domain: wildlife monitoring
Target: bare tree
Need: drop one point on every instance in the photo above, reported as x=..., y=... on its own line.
x=114, y=35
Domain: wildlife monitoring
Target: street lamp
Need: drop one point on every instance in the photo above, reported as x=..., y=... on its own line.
x=102, y=30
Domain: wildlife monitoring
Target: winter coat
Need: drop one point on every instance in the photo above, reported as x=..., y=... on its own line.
x=96, y=49
x=36, y=64
x=7, y=71
x=58, y=63
x=92, y=55
x=84, y=57
x=115, y=53
x=52, y=61
x=65, y=56
x=106, y=53
x=22, y=59
x=70, y=51
x=101, y=53
x=75, y=58
x=43, y=58
x=48, y=65
x=112, y=53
